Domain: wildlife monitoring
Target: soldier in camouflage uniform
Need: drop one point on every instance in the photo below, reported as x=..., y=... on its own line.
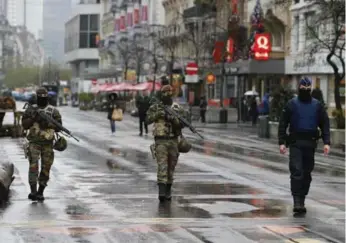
x=167, y=131
x=41, y=139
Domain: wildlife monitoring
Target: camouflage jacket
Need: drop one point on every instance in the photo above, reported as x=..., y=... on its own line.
x=40, y=131
x=164, y=126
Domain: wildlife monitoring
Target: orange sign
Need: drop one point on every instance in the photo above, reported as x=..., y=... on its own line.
x=210, y=79
x=262, y=47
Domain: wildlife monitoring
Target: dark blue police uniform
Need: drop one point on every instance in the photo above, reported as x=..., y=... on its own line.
x=304, y=117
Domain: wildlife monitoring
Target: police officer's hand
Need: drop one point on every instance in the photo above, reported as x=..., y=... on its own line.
x=326, y=149
x=283, y=149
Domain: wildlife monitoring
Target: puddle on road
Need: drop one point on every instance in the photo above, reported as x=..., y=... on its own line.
x=251, y=208
x=219, y=149
x=79, y=212
x=151, y=208
x=213, y=189
x=144, y=159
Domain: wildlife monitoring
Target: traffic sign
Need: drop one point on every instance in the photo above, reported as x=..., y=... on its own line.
x=192, y=68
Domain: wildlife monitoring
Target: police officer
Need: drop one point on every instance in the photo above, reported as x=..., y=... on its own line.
x=41, y=143
x=304, y=115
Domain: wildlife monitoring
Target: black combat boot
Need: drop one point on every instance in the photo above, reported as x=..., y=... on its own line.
x=33, y=193
x=39, y=195
x=298, y=206
x=168, y=192
x=162, y=192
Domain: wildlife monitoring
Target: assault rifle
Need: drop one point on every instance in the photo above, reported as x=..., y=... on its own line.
x=44, y=116
x=169, y=111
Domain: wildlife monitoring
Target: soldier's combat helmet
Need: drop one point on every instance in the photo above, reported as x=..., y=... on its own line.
x=42, y=97
x=60, y=144
x=184, y=146
x=166, y=94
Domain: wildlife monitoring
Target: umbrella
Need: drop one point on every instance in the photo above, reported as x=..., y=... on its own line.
x=251, y=93
x=51, y=93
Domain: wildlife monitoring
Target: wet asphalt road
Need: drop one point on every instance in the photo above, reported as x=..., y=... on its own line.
x=231, y=188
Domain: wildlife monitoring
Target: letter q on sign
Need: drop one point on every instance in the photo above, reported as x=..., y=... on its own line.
x=262, y=43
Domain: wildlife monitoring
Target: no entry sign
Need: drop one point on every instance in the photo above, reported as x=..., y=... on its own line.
x=191, y=68
x=191, y=73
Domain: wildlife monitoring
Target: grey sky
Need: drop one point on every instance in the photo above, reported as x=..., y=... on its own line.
x=34, y=16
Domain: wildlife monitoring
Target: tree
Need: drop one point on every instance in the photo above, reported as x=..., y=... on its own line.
x=155, y=49
x=169, y=39
x=139, y=52
x=21, y=77
x=326, y=30
x=124, y=52
x=200, y=30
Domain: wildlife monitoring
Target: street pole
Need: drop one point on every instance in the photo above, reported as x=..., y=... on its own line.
x=25, y=13
x=49, y=67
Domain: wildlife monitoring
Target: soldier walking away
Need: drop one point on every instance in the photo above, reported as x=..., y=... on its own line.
x=167, y=131
x=112, y=104
x=142, y=104
x=304, y=115
x=41, y=142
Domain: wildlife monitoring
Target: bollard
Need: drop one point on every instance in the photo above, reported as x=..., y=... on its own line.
x=6, y=178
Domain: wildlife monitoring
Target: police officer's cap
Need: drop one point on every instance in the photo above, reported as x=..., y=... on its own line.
x=42, y=92
x=305, y=82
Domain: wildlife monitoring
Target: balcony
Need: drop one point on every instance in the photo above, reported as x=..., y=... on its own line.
x=199, y=11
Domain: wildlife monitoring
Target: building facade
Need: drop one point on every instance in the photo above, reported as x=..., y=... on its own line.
x=54, y=18
x=81, y=38
x=15, y=12
x=126, y=40
x=303, y=60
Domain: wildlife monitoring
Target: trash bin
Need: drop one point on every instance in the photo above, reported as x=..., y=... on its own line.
x=263, y=128
x=223, y=115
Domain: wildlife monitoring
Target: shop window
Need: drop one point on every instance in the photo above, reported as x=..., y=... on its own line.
x=83, y=22
x=83, y=40
x=92, y=40
x=211, y=91
x=318, y=83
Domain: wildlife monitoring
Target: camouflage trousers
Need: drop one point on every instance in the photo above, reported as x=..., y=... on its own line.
x=167, y=155
x=46, y=153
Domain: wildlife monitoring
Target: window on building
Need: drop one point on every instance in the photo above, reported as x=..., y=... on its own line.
x=83, y=23
x=296, y=34
x=83, y=40
x=310, y=26
x=92, y=40
x=94, y=22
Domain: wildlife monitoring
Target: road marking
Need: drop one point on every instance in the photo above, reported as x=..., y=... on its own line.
x=305, y=240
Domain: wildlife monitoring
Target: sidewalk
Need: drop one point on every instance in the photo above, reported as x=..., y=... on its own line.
x=249, y=130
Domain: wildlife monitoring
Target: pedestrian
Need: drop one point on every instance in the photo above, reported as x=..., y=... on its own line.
x=111, y=106
x=167, y=131
x=304, y=115
x=203, y=108
x=142, y=104
x=41, y=143
x=253, y=110
x=263, y=108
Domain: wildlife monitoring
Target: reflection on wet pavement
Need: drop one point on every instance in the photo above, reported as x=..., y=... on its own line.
x=231, y=150
x=213, y=188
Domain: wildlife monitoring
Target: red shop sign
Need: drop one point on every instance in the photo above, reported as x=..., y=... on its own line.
x=262, y=46
x=136, y=16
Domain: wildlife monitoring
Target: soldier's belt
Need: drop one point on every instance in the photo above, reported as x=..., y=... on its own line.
x=165, y=137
